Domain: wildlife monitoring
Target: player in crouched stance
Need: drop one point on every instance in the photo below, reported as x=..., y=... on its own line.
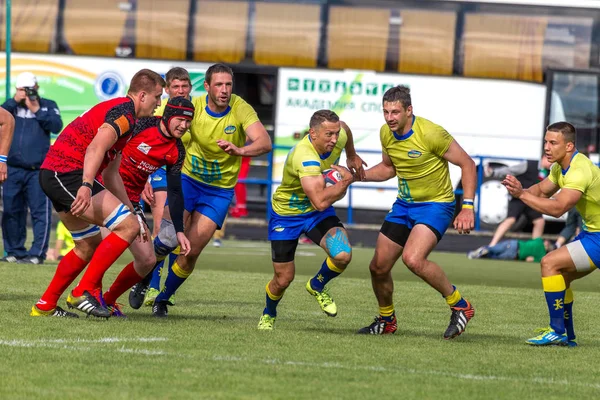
x=417, y=151
x=579, y=182
x=303, y=204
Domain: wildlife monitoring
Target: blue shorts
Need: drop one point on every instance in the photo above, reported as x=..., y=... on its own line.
x=435, y=215
x=210, y=201
x=158, y=180
x=591, y=244
x=290, y=227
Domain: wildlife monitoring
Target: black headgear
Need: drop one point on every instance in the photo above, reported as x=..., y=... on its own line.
x=177, y=107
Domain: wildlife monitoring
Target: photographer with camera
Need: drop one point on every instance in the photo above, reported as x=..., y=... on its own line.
x=35, y=119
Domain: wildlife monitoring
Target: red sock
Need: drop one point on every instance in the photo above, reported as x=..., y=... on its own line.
x=126, y=279
x=68, y=269
x=109, y=250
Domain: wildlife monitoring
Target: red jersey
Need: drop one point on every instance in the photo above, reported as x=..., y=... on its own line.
x=68, y=152
x=148, y=150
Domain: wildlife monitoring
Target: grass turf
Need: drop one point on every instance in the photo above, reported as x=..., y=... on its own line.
x=209, y=346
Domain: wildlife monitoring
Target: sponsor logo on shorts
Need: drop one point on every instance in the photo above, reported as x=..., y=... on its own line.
x=279, y=228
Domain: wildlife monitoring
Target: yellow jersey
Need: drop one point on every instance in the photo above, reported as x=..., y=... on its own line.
x=303, y=160
x=584, y=176
x=417, y=156
x=204, y=159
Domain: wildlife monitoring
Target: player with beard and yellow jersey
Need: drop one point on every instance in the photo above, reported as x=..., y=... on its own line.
x=223, y=123
x=416, y=152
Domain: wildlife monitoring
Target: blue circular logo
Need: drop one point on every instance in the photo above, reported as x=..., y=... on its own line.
x=109, y=85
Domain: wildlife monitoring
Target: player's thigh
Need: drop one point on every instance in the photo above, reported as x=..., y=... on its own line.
x=583, y=253
x=387, y=252
x=421, y=241
x=103, y=205
x=199, y=231
x=566, y=260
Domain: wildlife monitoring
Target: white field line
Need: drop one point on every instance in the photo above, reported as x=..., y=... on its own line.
x=466, y=377
x=68, y=344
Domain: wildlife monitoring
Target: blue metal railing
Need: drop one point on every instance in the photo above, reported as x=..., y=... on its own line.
x=269, y=182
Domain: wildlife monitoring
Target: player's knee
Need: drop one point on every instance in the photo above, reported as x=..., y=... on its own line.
x=129, y=228
x=84, y=250
x=413, y=262
x=378, y=269
x=549, y=266
x=146, y=264
x=166, y=241
x=283, y=279
x=342, y=259
x=122, y=222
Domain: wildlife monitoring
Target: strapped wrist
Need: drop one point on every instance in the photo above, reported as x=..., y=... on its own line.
x=88, y=185
x=468, y=204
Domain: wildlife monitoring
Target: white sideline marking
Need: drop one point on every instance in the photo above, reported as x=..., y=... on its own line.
x=56, y=342
x=471, y=377
x=68, y=344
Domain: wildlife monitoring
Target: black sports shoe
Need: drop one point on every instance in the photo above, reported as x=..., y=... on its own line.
x=31, y=260
x=458, y=320
x=159, y=309
x=9, y=259
x=56, y=312
x=138, y=292
x=380, y=327
x=87, y=304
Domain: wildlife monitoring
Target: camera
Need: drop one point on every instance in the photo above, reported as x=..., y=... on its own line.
x=32, y=94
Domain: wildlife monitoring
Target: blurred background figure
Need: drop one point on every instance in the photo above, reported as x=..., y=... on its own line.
x=35, y=119
x=240, y=209
x=532, y=250
x=529, y=172
x=571, y=229
x=64, y=243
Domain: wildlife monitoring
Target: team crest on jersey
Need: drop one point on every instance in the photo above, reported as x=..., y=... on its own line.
x=144, y=148
x=229, y=129
x=414, y=154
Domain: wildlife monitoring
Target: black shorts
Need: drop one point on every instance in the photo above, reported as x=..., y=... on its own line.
x=283, y=251
x=516, y=207
x=61, y=188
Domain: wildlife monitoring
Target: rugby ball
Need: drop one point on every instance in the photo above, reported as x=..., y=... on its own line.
x=331, y=177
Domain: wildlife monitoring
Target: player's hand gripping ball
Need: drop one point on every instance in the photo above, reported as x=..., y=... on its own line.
x=331, y=177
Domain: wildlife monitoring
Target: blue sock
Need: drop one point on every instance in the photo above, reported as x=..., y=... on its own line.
x=271, y=302
x=156, y=274
x=327, y=272
x=175, y=279
x=569, y=314
x=554, y=291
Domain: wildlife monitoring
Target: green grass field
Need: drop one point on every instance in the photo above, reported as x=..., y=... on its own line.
x=209, y=346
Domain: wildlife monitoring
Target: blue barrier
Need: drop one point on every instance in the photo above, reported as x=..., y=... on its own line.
x=269, y=182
